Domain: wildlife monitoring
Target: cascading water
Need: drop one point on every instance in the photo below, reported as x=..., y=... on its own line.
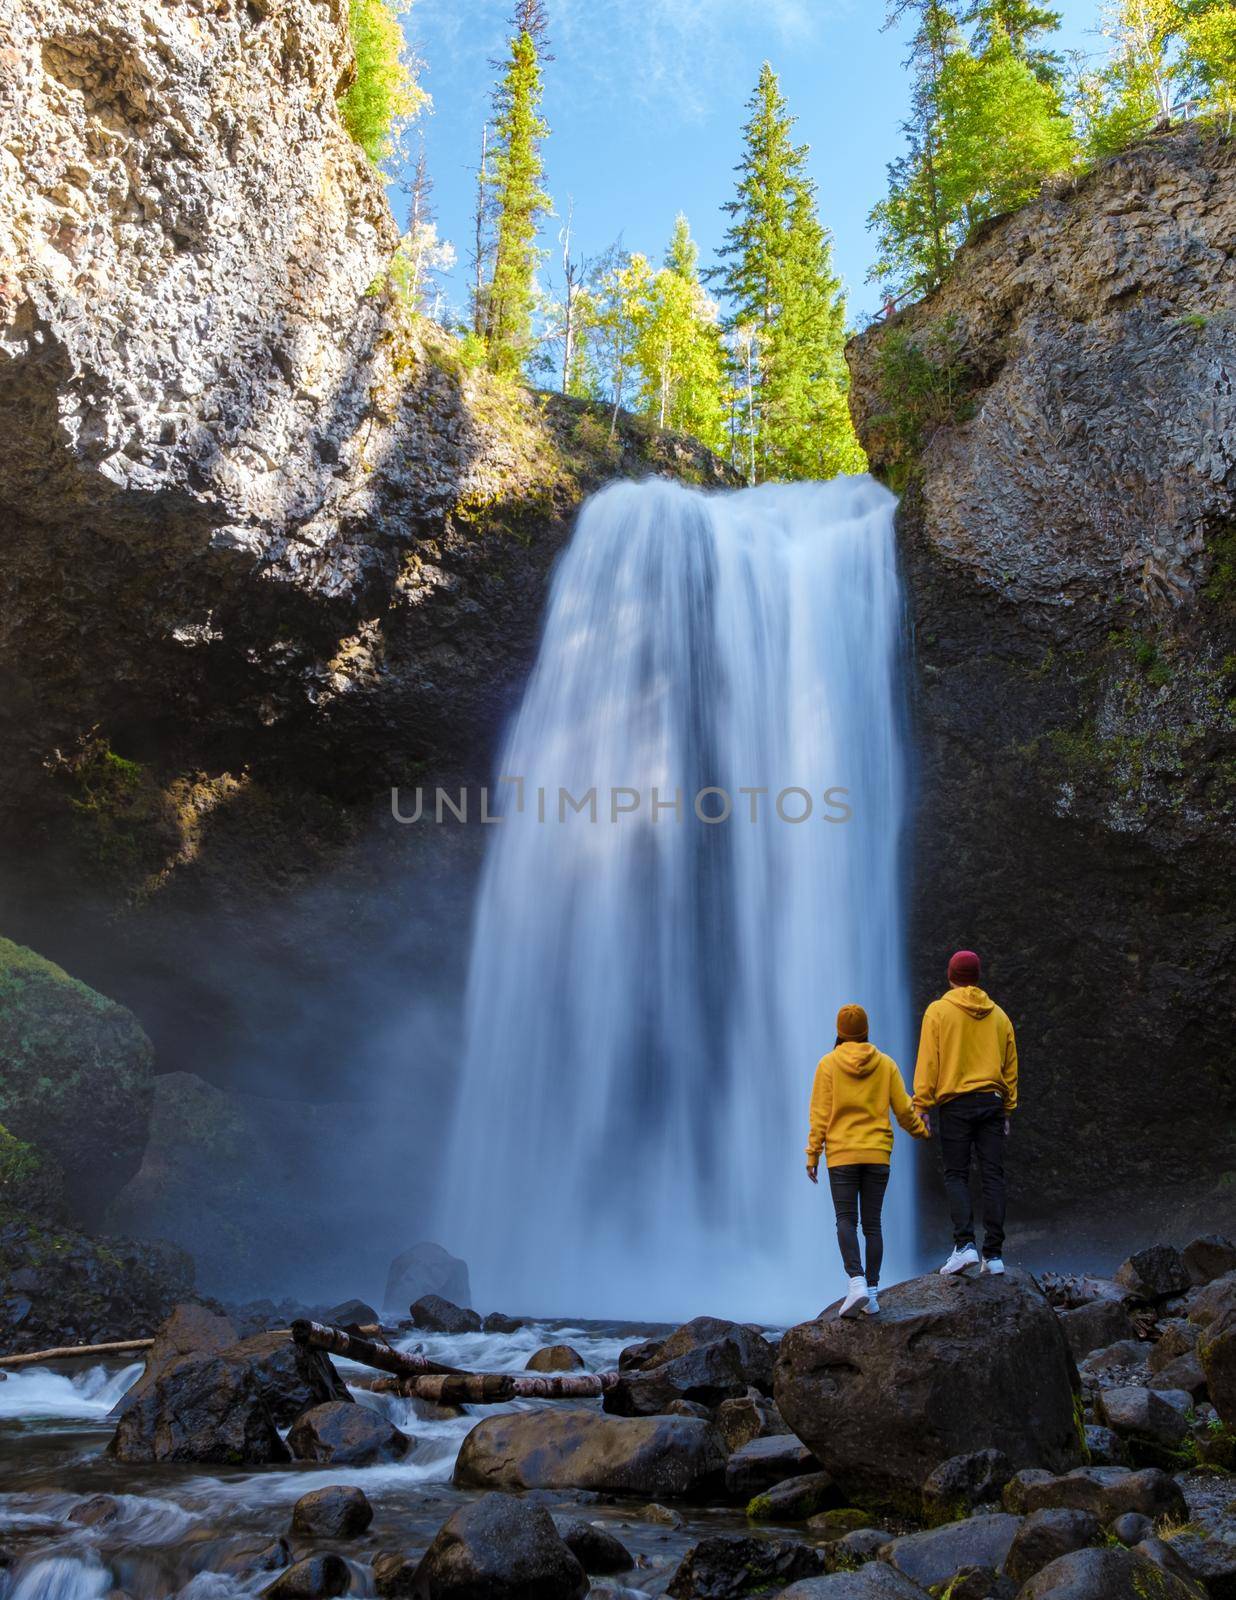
x=649, y=992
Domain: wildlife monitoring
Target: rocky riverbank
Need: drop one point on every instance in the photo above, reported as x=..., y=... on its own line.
x=999, y=1439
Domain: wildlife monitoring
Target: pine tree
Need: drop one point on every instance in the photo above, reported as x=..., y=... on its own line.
x=1023, y=23
x=777, y=279
x=509, y=297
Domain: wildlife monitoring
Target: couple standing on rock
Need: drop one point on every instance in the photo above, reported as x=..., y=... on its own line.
x=967, y=1074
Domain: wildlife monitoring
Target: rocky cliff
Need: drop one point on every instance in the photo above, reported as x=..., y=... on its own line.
x=1062, y=417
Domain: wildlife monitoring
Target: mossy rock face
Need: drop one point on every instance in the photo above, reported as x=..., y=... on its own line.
x=76, y=1077
x=29, y=1180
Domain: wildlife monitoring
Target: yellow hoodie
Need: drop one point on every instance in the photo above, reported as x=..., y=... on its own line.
x=854, y=1088
x=967, y=1043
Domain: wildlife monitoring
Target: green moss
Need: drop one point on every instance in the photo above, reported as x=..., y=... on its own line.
x=924, y=383
x=30, y=1180
x=759, y=1509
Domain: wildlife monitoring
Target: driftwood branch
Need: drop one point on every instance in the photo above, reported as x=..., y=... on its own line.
x=63, y=1352
x=367, y=1352
x=492, y=1388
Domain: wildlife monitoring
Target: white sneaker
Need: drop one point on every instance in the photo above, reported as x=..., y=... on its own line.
x=994, y=1267
x=856, y=1298
x=872, y=1307
x=964, y=1262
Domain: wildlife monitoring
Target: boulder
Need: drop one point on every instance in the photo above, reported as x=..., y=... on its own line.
x=706, y=1360
x=346, y=1435
x=727, y=1568
x=1166, y=1556
x=499, y=1548
x=1126, y=1361
x=573, y=1448
x=78, y=1078
x=349, y=1314
x=96, y=1511
x=497, y=1322
x=246, y=1560
x=191, y=1329
x=1045, y=1535
x=1105, y=1575
x=1152, y=1423
x=1213, y=1302
x=594, y=1548
x=1106, y=1492
x=949, y=1367
x=1104, y=1447
x=935, y=1556
x=1130, y=1529
x=1178, y=1338
x=201, y=1408
x=688, y=1408
x=958, y=1485
x=1186, y=1373
x=31, y=1180
x=748, y=1417
x=1217, y=1349
x=334, y=1513
x=1209, y=1257
x=394, y=1574
x=1091, y=1327
x=1156, y=1273
x=1213, y=1560
x=316, y=1578
x=662, y=1516
x=762, y=1462
x=427, y=1269
x=794, y=1499
x=981, y=1583
x=873, y=1582
x=555, y=1358
x=293, y=1377
x=433, y=1314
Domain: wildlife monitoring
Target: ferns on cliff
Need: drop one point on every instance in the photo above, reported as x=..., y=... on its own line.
x=384, y=94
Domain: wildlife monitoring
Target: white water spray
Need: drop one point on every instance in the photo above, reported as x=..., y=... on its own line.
x=649, y=992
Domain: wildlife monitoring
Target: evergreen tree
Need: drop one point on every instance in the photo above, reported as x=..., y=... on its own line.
x=1023, y=22
x=509, y=297
x=777, y=279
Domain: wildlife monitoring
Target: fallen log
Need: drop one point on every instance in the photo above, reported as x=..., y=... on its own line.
x=493, y=1388
x=367, y=1352
x=117, y=1347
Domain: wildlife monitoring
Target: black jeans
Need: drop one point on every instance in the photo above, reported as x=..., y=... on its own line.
x=974, y=1124
x=850, y=1185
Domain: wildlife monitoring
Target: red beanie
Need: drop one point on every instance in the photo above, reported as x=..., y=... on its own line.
x=965, y=967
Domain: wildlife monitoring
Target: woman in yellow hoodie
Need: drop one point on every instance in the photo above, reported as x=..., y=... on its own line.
x=855, y=1088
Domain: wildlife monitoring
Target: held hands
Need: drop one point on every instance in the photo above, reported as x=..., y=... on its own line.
x=813, y=1172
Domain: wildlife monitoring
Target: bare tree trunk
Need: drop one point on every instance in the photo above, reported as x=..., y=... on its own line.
x=478, y=290
x=65, y=1352
x=369, y=1353
x=494, y=1388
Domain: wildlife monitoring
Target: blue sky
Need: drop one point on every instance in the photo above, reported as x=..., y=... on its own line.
x=645, y=100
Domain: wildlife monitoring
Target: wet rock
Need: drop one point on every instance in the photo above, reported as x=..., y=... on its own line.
x=1152, y=1423
x=432, y=1410
x=96, y=1512
x=1045, y=1535
x=981, y=1583
x=688, y=1408
x=349, y=1314
x=555, y=1358
x=1214, y=1301
x=1116, y=1365
x=1105, y=1492
x=573, y=1448
x=594, y=1548
x=1217, y=1349
x=1105, y=1447
x=1163, y=1555
x=312, y=1579
x=433, y=1314
x=394, y=1575
x=873, y=1582
x=1209, y=1257
x=727, y=1568
x=748, y=1417
x=247, y=1560
x=763, y=1462
x=501, y=1548
x=794, y=1499
x=1105, y=1575
x=935, y=1556
x=1178, y=1338
x=497, y=1322
x=1130, y=1529
x=1185, y=1373
x=958, y=1485
x=346, y=1435
x=661, y=1516
x=428, y=1269
x=947, y=1369
x=707, y=1360
x=333, y=1513
x=838, y=1521
x=860, y=1544
x=1156, y=1273
x=1213, y=1560
x=1092, y=1327
x=634, y=1357
x=201, y=1408
x=293, y=1377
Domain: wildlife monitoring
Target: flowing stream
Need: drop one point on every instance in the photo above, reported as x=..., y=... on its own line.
x=649, y=991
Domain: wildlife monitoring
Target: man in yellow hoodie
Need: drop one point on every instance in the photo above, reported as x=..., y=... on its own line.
x=854, y=1089
x=967, y=1074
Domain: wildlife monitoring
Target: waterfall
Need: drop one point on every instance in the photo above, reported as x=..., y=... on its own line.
x=649, y=992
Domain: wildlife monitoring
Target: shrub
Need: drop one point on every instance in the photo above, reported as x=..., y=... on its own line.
x=384, y=92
